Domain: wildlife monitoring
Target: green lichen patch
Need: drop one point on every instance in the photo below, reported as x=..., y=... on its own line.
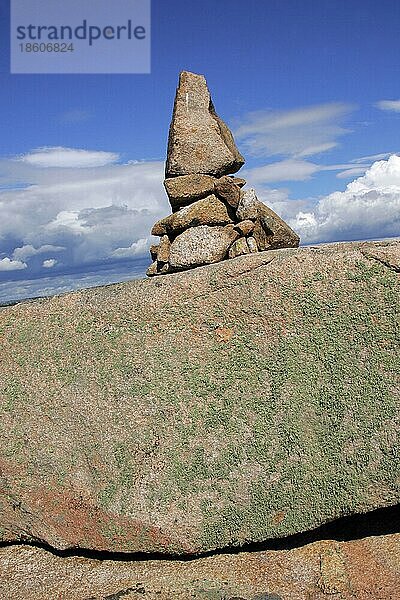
x=219, y=408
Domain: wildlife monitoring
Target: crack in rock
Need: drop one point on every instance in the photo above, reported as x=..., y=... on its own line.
x=386, y=263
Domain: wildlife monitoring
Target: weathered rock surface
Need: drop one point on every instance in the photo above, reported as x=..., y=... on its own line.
x=227, y=189
x=242, y=401
x=199, y=141
x=270, y=231
x=366, y=569
x=164, y=249
x=280, y=235
x=252, y=244
x=239, y=181
x=154, y=251
x=207, y=211
x=248, y=206
x=238, y=248
x=262, y=238
x=244, y=227
x=201, y=245
x=160, y=227
x=188, y=188
x=153, y=269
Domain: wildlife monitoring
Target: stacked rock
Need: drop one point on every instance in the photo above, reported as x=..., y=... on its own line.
x=212, y=217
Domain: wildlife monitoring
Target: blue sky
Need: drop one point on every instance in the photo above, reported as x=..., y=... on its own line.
x=310, y=90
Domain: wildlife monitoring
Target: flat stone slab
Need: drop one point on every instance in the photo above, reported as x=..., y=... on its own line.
x=242, y=401
x=207, y=211
x=188, y=188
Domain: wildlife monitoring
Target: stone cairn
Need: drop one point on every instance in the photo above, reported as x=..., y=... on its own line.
x=212, y=217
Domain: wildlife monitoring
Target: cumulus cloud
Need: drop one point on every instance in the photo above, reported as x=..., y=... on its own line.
x=49, y=263
x=25, y=252
x=68, y=158
x=358, y=166
x=392, y=105
x=69, y=220
x=6, y=264
x=97, y=216
x=87, y=215
x=136, y=248
x=297, y=133
x=368, y=208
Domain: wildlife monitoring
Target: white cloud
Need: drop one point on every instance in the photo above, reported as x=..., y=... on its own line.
x=100, y=215
x=373, y=157
x=68, y=158
x=25, y=252
x=293, y=169
x=134, y=249
x=368, y=208
x=294, y=134
x=348, y=173
x=359, y=166
x=6, y=264
x=297, y=133
x=68, y=219
x=285, y=170
x=392, y=105
x=49, y=263
x=87, y=213
x=305, y=222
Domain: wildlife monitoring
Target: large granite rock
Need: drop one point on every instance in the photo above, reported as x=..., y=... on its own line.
x=270, y=231
x=201, y=246
x=228, y=190
x=164, y=249
x=247, y=400
x=244, y=227
x=207, y=211
x=199, y=141
x=188, y=188
x=279, y=234
x=363, y=569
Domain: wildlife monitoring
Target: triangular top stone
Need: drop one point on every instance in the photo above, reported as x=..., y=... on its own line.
x=199, y=141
